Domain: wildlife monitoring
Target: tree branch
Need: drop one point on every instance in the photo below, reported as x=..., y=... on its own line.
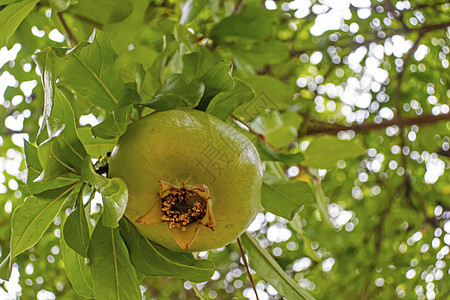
x=377, y=39
x=67, y=29
x=357, y=128
x=239, y=7
x=398, y=108
x=247, y=268
x=252, y=131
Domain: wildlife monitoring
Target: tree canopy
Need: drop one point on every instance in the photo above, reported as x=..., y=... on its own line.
x=346, y=101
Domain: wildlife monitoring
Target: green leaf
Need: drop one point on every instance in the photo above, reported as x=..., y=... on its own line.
x=127, y=31
x=50, y=156
x=286, y=198
x=280, y=130
x=113, y=275
x=114, y=125
x=32, y=218
x=269, y=154
x=76, y=230
x=5, y=268
x=103, y=11
x=90, y=71
x=179, y=91
x=264, y=264
x=217, y=79
x=197, y=63
x=153, y=260
x=271, y=94
x=6, y=2
x=159, y=65
x=39, y=187
x=59, y=5
x=34, y=167
x=322, y=203
x=11, y=17
x=114, y=193
x=69, y=141
x=190, y=9
x=223, y=105
x=59, y=119
x=95, y=147
x=296, y=224
x=325, y=151
x=261, y=54
x=76, y=269
x=253, y=22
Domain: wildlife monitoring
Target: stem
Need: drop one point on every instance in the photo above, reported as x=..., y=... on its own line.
x=198, y=293
x=66, y=27
x=247, y=268
x=252, y=131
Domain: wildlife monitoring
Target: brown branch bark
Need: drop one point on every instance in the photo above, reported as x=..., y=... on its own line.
x=67, y=29
x=239, y=7
x=419, y=121
x=398, y=108
x=422, y=30
x=247, y=267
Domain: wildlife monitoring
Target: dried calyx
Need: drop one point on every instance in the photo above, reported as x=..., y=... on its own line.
x=184, y=209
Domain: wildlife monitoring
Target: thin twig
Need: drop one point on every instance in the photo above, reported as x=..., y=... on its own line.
x=239, y=7
x=252, y=131
x=247, y=268
x=66, y=27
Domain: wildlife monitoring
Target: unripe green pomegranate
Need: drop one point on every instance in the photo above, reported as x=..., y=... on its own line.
x=194, y=181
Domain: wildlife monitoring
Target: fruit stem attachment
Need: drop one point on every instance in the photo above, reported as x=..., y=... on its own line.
x=244, y=259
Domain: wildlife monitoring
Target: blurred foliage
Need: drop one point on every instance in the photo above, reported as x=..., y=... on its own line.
x=336, y=76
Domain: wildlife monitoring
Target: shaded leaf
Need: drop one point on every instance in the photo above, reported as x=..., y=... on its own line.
x=286, y=198
x=5, y=268
x=325, y=151
x=32, y=218
x=114, y=193
x=114, y=125
x=50, y=156
x=322, y=203
x=197, y=63
x=253, y=22
x=296, y=224
x=269, y=154
x=271, y=94
x=59, y=5
x=261, y=54
x=103, y=11
x=37, y=188
x=113, y=275
x=266, y=266
x=76, y=230
x=179, y=91
x=217, y=79
x=153, y=260
x=76, y=269
x=223, y=105
x=95, y=147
